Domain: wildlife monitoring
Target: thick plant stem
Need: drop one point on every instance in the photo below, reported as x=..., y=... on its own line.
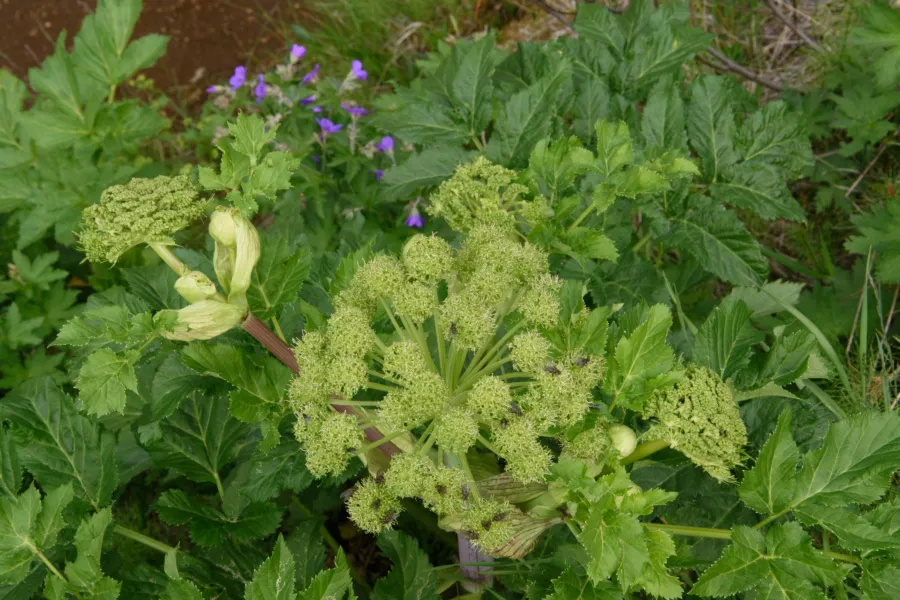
x=48, y=564
x=168, y=257
x=644, y=450
x=143, y=539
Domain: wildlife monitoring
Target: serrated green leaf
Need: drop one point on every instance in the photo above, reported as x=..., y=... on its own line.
x=526, y=119
x=663, y=120
x=639, y=358
x=211, y=527
x=10, y=469
x=719, y=241
x=472, y=86
x=182, y=590
x=50, y=522
x=614, y=149
x=877, y=230
x=761, y=301
x=334, y=583
x=710, y=125
x=412, y=577
x=272, y=174
x=768, y=487
x=19, y=332
x=853, y=530
x=422, y=122
x=278, y=276
x=274, y=579
x=307, y=544
x=85, y=575
x=261, y=381
x=17, y=520
x=655, y=577
x=591, y=105
x=855, y=461
x=250, y=135
x=775, y=136
x=574, y=586
x=724, y=343
x=282, y=468
x=103, y=379
x=200, y=439
x=881, y=581
x=788, y=359
x=102, y=49
x=555, y=166
x=59, y=446
x=38, y=272
x=423, y=170
x=785, y=554
x=761, y=189
x=609, y=541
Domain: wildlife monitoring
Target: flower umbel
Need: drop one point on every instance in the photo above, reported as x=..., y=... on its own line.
x=143, y=211
x=442, y=374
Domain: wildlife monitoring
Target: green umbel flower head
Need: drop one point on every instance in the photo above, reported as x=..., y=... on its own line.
x=373, y=507
x=479, y=193
x=143, y=211
x=699, y=417
x=448, y=351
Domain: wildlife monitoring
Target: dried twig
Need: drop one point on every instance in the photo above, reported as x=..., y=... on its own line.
x=865, y=171
x=543, y=6
x=803, y=35
x=729, y=65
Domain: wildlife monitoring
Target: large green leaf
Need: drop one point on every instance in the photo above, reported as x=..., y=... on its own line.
x=526, y=119
x=423, y=170
x=759, y=188
x=412, y=576
x=278, y=276
x=719, y=241
x=103, y=379
x=663, y=120
x=710, y=125
x=274, y=579
x=768, y=487
x=102, y=49
x=211, y=527
x=10, y=469
x=59, y=446
x=472, y=86
x=200, y=439
x=28, y=529
x=724, y=343
x=783, y=564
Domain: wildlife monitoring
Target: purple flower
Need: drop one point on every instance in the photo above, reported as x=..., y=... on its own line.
x=311, y=76
x=415, y=219
x=357, y=71
x=260, y=89
x=308, y=100
x=378, y=173
x=355, y=111
x=328, y=127
x=316, y=109
x=297, y=52
x=386, y=145
x=315, y=159
x=213, y=89
x=239, y=78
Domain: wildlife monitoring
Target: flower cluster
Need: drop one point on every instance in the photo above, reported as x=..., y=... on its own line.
x=447, y=346
x=699, y=417
x=484, y=193
x=143, y=211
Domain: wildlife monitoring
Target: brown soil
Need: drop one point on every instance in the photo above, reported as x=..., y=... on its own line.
x=207, y=37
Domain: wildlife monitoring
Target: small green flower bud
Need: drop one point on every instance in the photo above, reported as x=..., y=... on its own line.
x=490, y=400
x=540, y=304
x=455, y=430
x=195, y=286
x=375, y=280
x=349, y=332
x=309, y=419
x=330, y=447
x=529, y=262
x=487, y=522
x=408, y=475
x=590, y=445
x=422, y=401
x=143, y=211
x=346, y=375
x=560, y=390
x=623, y=439
x=529, y=351
x=699, y=417
x=467, y=321
x=372, y=507
x=405, y=360
x=428, y=258
x=445, y=491
x=490, y=287
x=202, y=320
x=222, y=226
x=537, y=211
x=414, y=300
x=479, y=192
x=527, y=460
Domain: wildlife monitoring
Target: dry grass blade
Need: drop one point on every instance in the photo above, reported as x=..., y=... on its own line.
x=803, y=35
